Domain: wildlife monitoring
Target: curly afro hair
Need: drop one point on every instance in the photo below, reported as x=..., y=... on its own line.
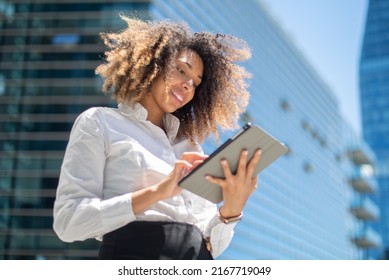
x=144, y=50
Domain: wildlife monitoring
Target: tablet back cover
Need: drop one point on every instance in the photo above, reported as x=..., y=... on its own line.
x=251, y=138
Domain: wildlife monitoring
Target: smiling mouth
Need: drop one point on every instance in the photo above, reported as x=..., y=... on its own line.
x=178, y=96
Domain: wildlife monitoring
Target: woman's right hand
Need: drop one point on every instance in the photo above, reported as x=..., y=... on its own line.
x=169, y=186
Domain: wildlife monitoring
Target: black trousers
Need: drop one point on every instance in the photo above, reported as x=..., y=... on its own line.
x=141, y=240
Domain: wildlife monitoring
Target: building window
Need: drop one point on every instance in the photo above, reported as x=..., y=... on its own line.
x=285, y=105
x=306, y=125
x=246, y=117
x=308, y=167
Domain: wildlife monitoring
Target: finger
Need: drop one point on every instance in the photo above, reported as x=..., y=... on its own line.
x=253, y=162
x=217, y=181
x=181, y=167
x=226, y=168
x=254, y=182
x=242, y=162
x=197, y=163
x=193, y=156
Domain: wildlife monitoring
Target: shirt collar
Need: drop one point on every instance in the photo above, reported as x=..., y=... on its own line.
x=170, y=122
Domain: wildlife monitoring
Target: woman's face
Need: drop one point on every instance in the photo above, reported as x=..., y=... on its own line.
x=179, y=88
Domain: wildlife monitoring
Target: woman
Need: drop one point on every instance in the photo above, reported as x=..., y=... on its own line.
x=119, y=178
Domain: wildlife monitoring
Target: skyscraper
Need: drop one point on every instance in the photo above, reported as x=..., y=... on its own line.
x=49, y=48
x=48, y=52
x=307, y=206
x=374, y=94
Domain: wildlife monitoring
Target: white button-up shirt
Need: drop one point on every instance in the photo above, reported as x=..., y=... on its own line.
x=111, y=154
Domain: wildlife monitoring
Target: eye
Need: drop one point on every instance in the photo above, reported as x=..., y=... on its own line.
x=180, y=71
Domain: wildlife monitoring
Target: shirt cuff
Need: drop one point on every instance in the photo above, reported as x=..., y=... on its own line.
x=117, y=212
x=220, y=235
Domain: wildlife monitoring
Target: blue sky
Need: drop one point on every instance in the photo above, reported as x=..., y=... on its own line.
x=329, y=33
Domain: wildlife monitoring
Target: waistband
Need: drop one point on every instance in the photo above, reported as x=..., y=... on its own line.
x=143, y=240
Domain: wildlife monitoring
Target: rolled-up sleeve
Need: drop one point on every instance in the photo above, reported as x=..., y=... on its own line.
x=80, y=212
x=218, y=233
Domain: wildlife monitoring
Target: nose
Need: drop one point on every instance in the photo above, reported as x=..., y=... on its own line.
x=188, y=84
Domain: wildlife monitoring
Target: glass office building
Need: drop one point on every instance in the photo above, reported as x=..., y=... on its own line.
x=374, y=94
x=358, y=162
x=49, y=48
x=309, y=203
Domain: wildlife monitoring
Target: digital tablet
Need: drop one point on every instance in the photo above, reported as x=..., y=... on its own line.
x=250, y=137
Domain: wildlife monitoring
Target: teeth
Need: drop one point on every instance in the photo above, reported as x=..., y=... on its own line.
x=178, y=96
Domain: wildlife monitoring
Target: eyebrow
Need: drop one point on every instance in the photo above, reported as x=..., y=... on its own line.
x=190, y=67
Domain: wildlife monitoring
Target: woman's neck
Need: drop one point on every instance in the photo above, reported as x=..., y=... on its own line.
x=154, y=114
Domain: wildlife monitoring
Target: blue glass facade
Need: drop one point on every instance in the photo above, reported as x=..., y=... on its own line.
x=309, y=204
x=358, y=162
x=303, y=207
x=374, y=94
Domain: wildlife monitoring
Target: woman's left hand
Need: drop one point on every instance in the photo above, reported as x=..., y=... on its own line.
x=238, y=187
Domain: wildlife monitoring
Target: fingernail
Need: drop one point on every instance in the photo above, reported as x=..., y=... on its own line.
x=259, y=152
x=207, y=177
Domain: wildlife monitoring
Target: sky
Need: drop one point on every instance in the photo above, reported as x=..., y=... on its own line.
x=329, y=33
